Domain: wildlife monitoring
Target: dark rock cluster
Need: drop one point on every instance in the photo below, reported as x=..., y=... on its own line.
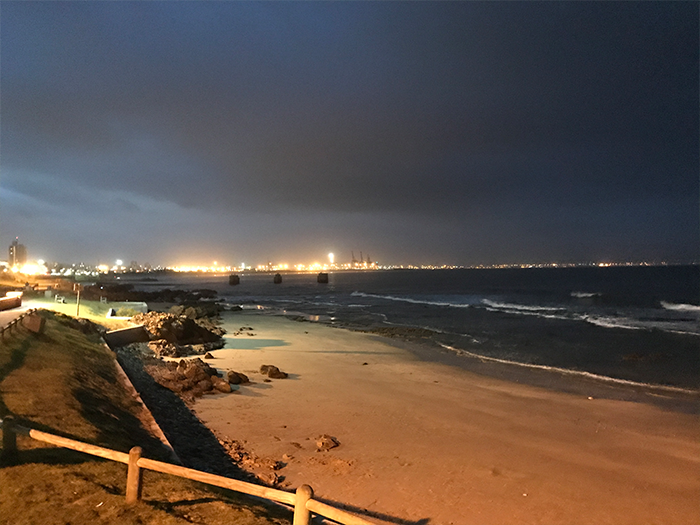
x=125, y=292
x=174, y=335
x=192, y=378
x=265, y=469
x=162, y=348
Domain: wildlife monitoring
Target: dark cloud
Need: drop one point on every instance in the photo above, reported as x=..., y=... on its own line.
x=562, y=130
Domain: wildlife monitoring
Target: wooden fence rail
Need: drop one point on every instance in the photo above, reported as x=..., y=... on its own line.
x=302, y=500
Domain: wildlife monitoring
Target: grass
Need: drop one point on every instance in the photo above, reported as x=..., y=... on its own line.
x=65, y=382
x=93, y=310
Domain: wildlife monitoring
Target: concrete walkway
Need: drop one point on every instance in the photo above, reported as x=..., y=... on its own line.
x=7, y=316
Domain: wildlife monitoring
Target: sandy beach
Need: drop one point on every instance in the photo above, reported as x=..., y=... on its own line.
x=424, y=442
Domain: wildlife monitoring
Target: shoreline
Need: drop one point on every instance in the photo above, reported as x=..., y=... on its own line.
x=425, y=440
x=564, y=380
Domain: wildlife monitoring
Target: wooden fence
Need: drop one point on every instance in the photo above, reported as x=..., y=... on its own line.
x=302, y=501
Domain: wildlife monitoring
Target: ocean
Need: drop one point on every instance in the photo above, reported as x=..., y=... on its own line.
x=630, y=325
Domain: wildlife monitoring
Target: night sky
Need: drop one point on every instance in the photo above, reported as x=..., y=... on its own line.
x=452, y=132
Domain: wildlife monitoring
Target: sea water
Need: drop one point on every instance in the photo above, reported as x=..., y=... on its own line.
x=631, y=324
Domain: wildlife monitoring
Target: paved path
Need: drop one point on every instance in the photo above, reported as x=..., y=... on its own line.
x=8, y=315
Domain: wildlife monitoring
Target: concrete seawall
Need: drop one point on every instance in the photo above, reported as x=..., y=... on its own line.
x=126, y=336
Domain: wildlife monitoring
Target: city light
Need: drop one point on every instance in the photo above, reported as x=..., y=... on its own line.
x=33, y=269
x=364, y=263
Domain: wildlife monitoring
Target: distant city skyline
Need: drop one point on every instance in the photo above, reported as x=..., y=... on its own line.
x=20, y=263
x=423, y=133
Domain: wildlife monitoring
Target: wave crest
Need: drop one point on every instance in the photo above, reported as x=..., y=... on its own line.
x=680, y=307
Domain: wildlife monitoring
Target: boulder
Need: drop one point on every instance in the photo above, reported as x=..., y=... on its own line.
x=220, y=384
x=236, y=378
x=272, y=372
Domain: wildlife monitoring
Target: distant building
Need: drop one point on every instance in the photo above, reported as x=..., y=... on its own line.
x=18, y=254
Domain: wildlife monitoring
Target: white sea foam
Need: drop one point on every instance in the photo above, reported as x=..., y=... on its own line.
x=523, y=307
x=249, y=306
x=668, y=325
x=681, y=307
x=409, y=300
x=612, y=322
x=585, y=295
x=567, y=371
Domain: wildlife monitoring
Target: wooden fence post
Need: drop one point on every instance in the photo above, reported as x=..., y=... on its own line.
x=134, y=477
x=302, y=516
x=9, y=441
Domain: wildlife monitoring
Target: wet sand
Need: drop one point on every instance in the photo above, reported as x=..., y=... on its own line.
x=424, y=442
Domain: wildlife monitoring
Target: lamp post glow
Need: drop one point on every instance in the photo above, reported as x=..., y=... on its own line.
x=331, y=258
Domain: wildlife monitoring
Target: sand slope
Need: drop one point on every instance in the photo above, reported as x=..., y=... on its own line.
x=424, y=442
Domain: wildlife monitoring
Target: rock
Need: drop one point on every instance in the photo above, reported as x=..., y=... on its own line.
x=277, y=279
x=236, y=378
x=272, y=478
x=191, y=378
x=208, y=356
x=207, y=347
x=326, y=442
x=273, y=372
x=164, y=348
x=204, y=384
x=220, y=384
x=179, y=329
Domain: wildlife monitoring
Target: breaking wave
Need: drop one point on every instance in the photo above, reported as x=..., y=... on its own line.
x=681, y=307
x=522, y=307
x=568, y=371
x=410, y=300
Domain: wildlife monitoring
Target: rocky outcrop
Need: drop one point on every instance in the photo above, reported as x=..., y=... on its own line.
x=125, y=292
x=178, y=329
